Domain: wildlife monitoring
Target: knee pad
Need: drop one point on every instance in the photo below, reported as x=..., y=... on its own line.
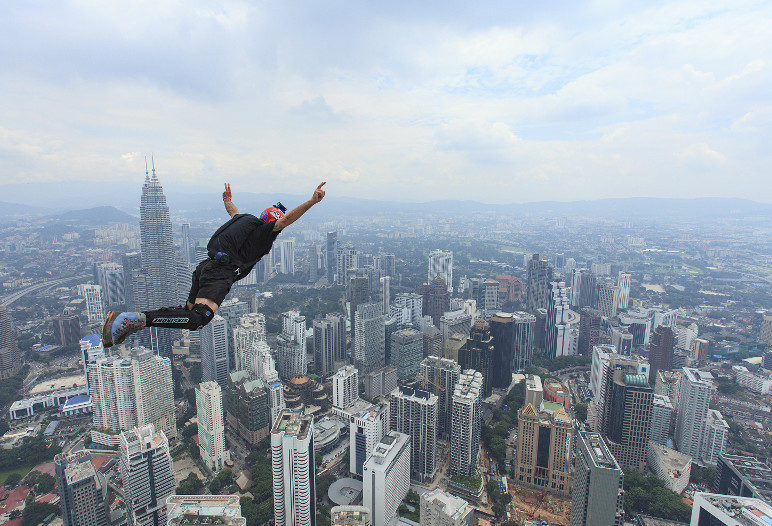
x=205, y=314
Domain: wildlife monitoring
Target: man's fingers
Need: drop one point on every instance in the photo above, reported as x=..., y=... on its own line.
x=321, y=185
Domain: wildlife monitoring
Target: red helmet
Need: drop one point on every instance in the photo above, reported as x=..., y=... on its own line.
x=272, y=213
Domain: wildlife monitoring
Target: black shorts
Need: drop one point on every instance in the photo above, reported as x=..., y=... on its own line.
x=212, y=280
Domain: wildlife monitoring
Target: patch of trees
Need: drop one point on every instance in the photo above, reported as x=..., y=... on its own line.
x=647, y=494
x=411, y=507
x=494, y=435
x=35, y=512
x=500, y=500
x=223, y=479
x=31, y=452
x=190, y=485
x=9, y=388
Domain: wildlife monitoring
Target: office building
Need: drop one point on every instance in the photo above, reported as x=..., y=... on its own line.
x=627, y=418
x=331, y=256
x=386, y=479
x=436, y=299
x=539, y=276
x=608, y=299
x=560, y=318
x=131, y=264
x=215, y=351
x=366, y=428
x=369, y=338
x=345, y=387
x=286, y=254
x=291, y=359
x=247, y=407
x=584, y=292
x=455, y=322
x=154, y=391
x=110, y=278
x=95, y=306
x=661, y=419
x=441, y=264
x=597, y=489
x=350, y=516
x=477, y=353
x=380, y=382
x=10, y=357
x=743, y=476
x=329, y=343
x=147, y=475
x=694, y=392
x=211, y=425
x=443, y=509
x=485, y=294
x=466, y=422
x=670, y=466
x=623, y=283
x=522, y=354
x=622, y=340
x=511, y=288
x=414, y=413
x=388, y=265
x=661, y=350
x=357, y=293
x=714, y=439
x=439, y=375
x=66, y=330
x=91, y=350
x=408, y=307
x=502, y=327
x=604, y=362
x=249, y=330
x=111, y=387
x=293, y=467
x=199, y=510
x=699, y=350
x=710, y=509
x=542, y=456
x=347, y=259
x=82, y=491
x=406, y=352
x=589, y=330
x=185, y=245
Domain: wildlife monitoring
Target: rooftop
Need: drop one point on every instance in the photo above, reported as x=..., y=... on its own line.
x=94, y=340
x=292, y=423
x=745, y=511
x=195, y=510
x=600, y=454
x=673, y=460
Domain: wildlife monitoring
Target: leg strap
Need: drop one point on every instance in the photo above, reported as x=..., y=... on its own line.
x=180, y=317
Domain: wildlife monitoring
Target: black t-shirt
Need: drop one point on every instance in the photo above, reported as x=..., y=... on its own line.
x=245, y=238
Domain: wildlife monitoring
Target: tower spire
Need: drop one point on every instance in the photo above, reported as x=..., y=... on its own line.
x=146, y=172
x=152, y=160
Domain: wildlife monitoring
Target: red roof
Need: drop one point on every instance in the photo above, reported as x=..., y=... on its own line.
x=14, y=522
x=10, y=500
x=100, y=461
x=195, y=438
x=47, y=468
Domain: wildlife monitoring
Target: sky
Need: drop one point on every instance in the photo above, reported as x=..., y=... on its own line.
x=493, y=101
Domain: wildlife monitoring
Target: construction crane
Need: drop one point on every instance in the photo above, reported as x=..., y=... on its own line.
x=425, y=380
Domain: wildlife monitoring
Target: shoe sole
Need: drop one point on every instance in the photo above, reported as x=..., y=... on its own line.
x=107, y=336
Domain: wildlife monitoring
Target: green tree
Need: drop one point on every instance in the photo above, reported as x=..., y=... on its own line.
x=13, y=479
x=580, y=410
x=190, y=485
x=221, y=480
x=35, y=512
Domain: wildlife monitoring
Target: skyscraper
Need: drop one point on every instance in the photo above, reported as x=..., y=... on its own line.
x=154, y=391
x=503, y=332
x=694, y=392
x=386, y=294
x=388, y=265
x=557, y=338
x=539, y=275
x=345, y=387
x=524, y=340
x=185, y=242
x=406, y=352
x=157, y=249
x=95, y=307
x=366, y=429
x=132, y=266
x=386, y=479
x=597, y=489
x=466, y=422
x=10, y=357
x=589, y=330
x=286, y=255
x=369, y=337
x=211, y=425
x=627, y=425
x=414, y=413
x=249, y=331
x=477, y=353
x=441, y=264
x=329, y=343
x=82, y=491
x=608, y=299
x=214, y=351
x=661, y=351
x=332, y=253
x=147, y=474
x=111, y=387
x=110, y=278
x=66, y=330
x=247, y=407
x=293, y=467
x=443, y=509
x=436, y=299
x=357, y=293
x=623, y=282
x=583, y=290
x=440, y=376
x=661, y=419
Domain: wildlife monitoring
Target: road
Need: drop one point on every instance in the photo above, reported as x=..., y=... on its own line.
x=7, y=300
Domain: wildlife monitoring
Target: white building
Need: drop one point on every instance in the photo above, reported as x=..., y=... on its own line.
x=207, y=509
x=466, y=422
x=286, y=255
x=292, y=460
x=95, y=307
x=608, y=299
x=443, y=509
x=758, y=383
x=291, y=360
x=670, y=466
x=211, y=425
x=91, y=350
x=623, y=283
x=214, y=351
x=369, y=338
x=366, y=428
x=691, y=417
x=111, y=387
x=661, y=419
x=441, y=264
x=147, y=474
x=386, y=478
x=714, y=440
x=154, y=391
x=345, y=387
x=557, y=336
x=110, y=278
x=726, y=510
x=249, y=331
x=414, y=412
x=408, y=307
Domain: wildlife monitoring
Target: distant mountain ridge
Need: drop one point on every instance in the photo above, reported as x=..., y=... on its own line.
x=98, y=215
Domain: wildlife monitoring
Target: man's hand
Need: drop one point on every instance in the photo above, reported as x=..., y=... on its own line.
x=226, y=195
x=318, y=193
x=226, y=199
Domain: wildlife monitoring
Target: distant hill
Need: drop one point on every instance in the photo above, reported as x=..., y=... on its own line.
x=99, y=215
x=16, y=210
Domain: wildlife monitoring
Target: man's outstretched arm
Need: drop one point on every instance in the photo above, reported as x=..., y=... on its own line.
x=226, y=199
x=294, y=214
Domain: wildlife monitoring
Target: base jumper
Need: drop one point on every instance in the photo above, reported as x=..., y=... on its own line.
x=233, y=250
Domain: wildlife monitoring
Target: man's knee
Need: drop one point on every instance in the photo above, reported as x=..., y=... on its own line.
x=204, y=312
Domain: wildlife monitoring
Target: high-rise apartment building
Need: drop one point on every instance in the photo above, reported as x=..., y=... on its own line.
x=293, y=467
x=441, y=264
x=247, y=407
x=195, y=510
x=82, y=491
x=608, y=299
x=386, y=478
x=286, y=249
x=436, y=299
x=440, y=376
x=714, y=440
x=661, y=350
x=699, y=351
x=366, y=428
x=66, y=330
x=694, y=392
x=557, y=338
x=539, y=276
x=623, y=283
x=249, y=331
x=406, y=352
x=154, y=391
x=439, y=508
x=543, y=449
x=211, y=425
x=95, y=306
x=91, y=350
x=583, y=289
x=369, y=338
x=331, y=255
x=597, y=489
x=110, y=278
x=329, y=343
x=215, y=351
x=466, y=422
x=589, y=330
x=111, y=387
x=147, y=475
x=386, y=294
x=10, y=357
x=477, y=353
x=408, y=307
x=345, y=387
x=627, y=422
x=661, y=419
x=414, y=412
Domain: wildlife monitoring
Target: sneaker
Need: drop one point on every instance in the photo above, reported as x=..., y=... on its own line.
x=118, y=325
